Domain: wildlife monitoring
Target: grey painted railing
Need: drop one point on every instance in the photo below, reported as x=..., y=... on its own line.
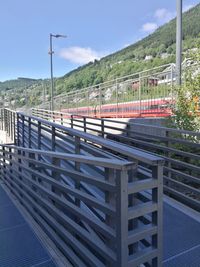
x=179, y=148
x=98, y=200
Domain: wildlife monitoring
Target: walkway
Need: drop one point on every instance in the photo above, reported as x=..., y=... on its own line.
x=181, y=239
x=19, y=246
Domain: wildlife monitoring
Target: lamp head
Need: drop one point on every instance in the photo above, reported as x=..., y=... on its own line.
x=58, y=35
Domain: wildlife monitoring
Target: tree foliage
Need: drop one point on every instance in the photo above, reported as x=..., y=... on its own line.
x=187, y=106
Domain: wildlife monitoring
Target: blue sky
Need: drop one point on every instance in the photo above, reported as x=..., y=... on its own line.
x=94, y=28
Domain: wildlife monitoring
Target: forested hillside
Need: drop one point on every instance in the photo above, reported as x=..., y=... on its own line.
x=18, y=83
x=160, y=45
x=154, y=50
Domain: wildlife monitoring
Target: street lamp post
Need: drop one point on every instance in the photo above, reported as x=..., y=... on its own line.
x=51, y=65
x=178, y=41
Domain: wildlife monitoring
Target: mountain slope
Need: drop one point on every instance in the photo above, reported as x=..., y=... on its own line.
x=131, y=59
x=18, y=83
x=126, y=61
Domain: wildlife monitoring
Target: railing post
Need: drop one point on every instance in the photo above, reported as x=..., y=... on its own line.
x=117, y=98
x=102, y=128
x=140, y=100
x=10, y=160
x=88, y=100
x=84, y=125
x=5, y=119
x=4, y=160
x=168, y=154
x=122, y=218
x=55, y=174
x=39, y=135
x=61, y=119
x=100, y=100
x=14, y=128
x=53, y=138
x=77, y=166
x=1, y=125
x=32, y=166
x=23, y=132
x=11, y=125
x=5, y=123
x=157, y=216
x=29, y=132
x=19, y=153
x=71, y=116
x=110, y=198
x=128, y=128
x=172, y=82
x=8, y=118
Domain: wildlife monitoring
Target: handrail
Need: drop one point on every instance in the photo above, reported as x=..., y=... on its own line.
x=117, y=122
x=92, y=196
x=109, y=163
x=179, y=148
x=120, y=148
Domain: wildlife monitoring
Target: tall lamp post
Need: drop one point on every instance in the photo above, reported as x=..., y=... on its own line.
x=178, y=41
x=51, y=64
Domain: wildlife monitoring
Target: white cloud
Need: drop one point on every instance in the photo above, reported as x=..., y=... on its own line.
x=163, y=15
x=126, y=45
x=149, y=27
x=187, y=7
x=80, y=55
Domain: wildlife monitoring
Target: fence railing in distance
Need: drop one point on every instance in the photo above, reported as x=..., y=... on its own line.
x=139, y=93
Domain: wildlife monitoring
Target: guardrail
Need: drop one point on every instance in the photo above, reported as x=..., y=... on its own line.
x=147, y=85
x=143, y=94
x=179, y=148
x=99, y=201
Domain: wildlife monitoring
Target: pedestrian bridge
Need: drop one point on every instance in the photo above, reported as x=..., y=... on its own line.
x=70, y=198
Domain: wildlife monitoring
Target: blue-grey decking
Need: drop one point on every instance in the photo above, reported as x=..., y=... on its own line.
x=19, y=246
x=181, y=239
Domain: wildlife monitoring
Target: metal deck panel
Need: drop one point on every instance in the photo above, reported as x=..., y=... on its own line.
x=181, y=239
x=19, y=246
x=189, y=258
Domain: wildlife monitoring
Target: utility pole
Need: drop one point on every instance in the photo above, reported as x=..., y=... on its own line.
x=178, y=41
x=51, y=66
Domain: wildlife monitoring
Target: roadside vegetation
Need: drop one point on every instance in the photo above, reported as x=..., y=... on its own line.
x=187, y=108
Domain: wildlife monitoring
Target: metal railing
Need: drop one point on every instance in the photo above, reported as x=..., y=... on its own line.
x=99, y=201
x=146, y=91
x=179, y=148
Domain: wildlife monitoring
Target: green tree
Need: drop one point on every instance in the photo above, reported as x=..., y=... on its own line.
x=186, y=109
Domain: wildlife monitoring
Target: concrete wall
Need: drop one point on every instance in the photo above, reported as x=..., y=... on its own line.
x=4, y=139
x=149, y=122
